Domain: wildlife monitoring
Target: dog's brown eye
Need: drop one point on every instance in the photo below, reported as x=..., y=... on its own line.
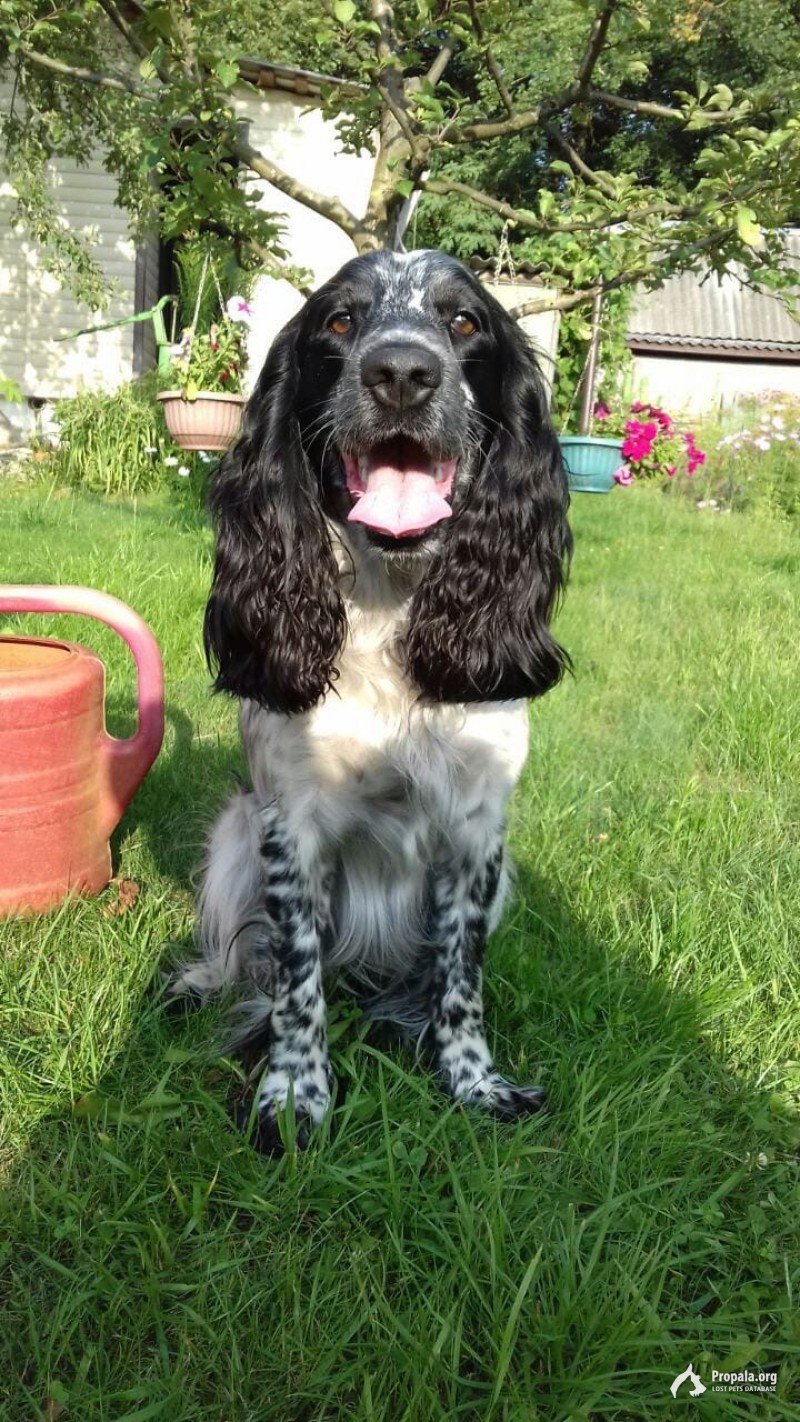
x=463, y=324
x=340, y=323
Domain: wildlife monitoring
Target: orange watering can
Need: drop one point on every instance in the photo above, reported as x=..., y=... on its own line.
x=64, y=781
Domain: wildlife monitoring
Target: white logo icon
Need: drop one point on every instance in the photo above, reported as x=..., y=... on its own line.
x=697, y=1385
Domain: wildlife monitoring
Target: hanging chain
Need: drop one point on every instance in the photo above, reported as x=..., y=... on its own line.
x=200, y=289
x=504, y=257
x=207, y=262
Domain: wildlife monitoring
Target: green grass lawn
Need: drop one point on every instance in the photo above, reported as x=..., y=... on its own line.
x=419, y=1263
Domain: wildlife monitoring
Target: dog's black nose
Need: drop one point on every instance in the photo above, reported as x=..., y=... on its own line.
x=401, y=375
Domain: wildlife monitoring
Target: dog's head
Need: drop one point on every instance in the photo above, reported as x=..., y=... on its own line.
x=403, y=405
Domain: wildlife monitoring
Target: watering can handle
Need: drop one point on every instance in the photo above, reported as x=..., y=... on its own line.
x=125, y=763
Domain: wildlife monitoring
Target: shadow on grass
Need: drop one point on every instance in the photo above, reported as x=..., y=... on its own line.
x=574, y=1262
x=174, y=808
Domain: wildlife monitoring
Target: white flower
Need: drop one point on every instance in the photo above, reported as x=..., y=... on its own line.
x=150, y=449
x=206, y=458
x=184, y=472
x=237, y=309
x=761, y=443
x=171, y=460
x=777, y=422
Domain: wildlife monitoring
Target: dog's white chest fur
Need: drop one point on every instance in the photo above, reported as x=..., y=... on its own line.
x=376, y=785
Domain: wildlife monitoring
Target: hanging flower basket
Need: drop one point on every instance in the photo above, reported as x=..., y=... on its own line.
x=210, y=421
x=591, y=463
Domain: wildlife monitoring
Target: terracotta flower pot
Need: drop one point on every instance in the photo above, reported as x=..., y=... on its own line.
x=210, y=421
x=64, y=782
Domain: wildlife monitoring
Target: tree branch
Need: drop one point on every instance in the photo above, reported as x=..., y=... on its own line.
x=481, y=130
x=491, y=62
x=441, y=61
x=400, y=116
x=595, y=180
x=568, y=301
x=329, y=207
x=443, y=187
x=120, y=23
x=595, y=44
x=633, y=106
x=76, y=73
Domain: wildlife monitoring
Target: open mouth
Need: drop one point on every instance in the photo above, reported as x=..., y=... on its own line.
x=399, y=488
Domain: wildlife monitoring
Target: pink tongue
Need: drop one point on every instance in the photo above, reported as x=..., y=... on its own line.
x=399, y=502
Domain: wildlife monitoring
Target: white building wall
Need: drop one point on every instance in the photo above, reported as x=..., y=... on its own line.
x=34, y=308
x=294, y=134
x=697, y=385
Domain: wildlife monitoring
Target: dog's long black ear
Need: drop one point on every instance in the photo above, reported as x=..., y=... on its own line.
x=275, y=619
x=479, y=622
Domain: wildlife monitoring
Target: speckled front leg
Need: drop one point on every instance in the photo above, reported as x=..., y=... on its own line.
x=298, y=1057
x=464, y=894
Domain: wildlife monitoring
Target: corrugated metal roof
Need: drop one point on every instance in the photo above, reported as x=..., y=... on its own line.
x=691, y=311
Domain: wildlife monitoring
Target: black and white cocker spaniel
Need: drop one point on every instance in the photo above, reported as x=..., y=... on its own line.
x=391, y=541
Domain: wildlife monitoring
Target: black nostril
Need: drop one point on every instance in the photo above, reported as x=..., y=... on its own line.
x=401, y=374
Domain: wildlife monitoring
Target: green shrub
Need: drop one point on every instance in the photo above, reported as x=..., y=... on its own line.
x=756, y=464
x=118, y=444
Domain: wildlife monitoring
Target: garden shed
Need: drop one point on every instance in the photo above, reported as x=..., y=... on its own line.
x=280, y=107
x=700, y=344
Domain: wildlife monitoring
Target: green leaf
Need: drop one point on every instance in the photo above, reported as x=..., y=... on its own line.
x=344, y=10
x=748, y=228
x=405, y=187
x=227, y=72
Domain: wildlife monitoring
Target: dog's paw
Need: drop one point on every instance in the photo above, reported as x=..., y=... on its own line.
x=501, y=1098
x=310, y=1095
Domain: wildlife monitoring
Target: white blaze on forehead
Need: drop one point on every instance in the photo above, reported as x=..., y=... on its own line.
x=405, y=288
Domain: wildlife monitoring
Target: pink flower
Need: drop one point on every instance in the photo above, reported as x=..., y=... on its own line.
x=237, y=309
x=623, y=476
x=639, y=444
x=671, y=471
x=601, y=410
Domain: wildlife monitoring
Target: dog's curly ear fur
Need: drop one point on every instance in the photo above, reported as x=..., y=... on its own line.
x=479, y=622
x=275, y=620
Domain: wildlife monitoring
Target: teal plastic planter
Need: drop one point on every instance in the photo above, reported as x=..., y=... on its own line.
x=591, y=463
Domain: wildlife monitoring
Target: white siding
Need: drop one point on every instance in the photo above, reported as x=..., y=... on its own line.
x=34, y=308
x=697, y=385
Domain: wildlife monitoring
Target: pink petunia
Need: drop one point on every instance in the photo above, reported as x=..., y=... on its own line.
x=237, y=309
x=601, y=410
x=623, y=476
